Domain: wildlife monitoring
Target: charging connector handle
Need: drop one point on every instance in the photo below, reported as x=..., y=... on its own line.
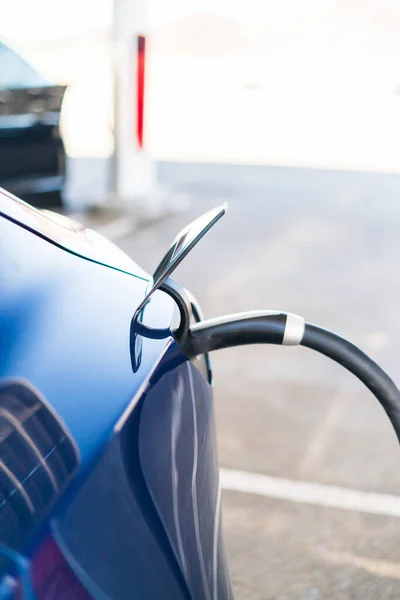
x=257, y=327
x=273, y=327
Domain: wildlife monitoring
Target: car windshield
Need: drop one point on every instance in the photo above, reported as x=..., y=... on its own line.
x=15, y=72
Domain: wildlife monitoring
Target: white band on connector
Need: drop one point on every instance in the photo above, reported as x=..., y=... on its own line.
x=294, y=330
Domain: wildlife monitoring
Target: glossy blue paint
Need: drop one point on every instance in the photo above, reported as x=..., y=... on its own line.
x=146, y=439
x=65, y=328
x=155, y=488
x=178, y=456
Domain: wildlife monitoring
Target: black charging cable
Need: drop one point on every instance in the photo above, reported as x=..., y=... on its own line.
x=272, y=327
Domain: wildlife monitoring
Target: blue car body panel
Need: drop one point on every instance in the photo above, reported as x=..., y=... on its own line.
x=141, y=517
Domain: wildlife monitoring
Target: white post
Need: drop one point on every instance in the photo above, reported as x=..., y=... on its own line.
x=134, y=171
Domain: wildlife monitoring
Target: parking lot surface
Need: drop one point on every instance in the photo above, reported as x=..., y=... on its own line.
x=326, y=245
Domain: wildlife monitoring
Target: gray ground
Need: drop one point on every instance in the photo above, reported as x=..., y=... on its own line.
x=326, y=245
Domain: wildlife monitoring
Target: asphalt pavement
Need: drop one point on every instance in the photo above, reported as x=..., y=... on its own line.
x=326, y=245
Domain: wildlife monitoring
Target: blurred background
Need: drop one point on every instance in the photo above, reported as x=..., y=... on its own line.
x=290, y=111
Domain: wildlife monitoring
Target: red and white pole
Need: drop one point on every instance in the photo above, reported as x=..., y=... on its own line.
x=140, y=87
x=135, y=181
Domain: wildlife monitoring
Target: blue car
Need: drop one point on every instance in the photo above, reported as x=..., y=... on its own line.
x=108, y=469
x=109, y=485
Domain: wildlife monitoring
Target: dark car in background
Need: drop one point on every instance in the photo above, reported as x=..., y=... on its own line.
x=32, y=154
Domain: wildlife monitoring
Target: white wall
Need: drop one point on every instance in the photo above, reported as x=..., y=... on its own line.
x=312, y=83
